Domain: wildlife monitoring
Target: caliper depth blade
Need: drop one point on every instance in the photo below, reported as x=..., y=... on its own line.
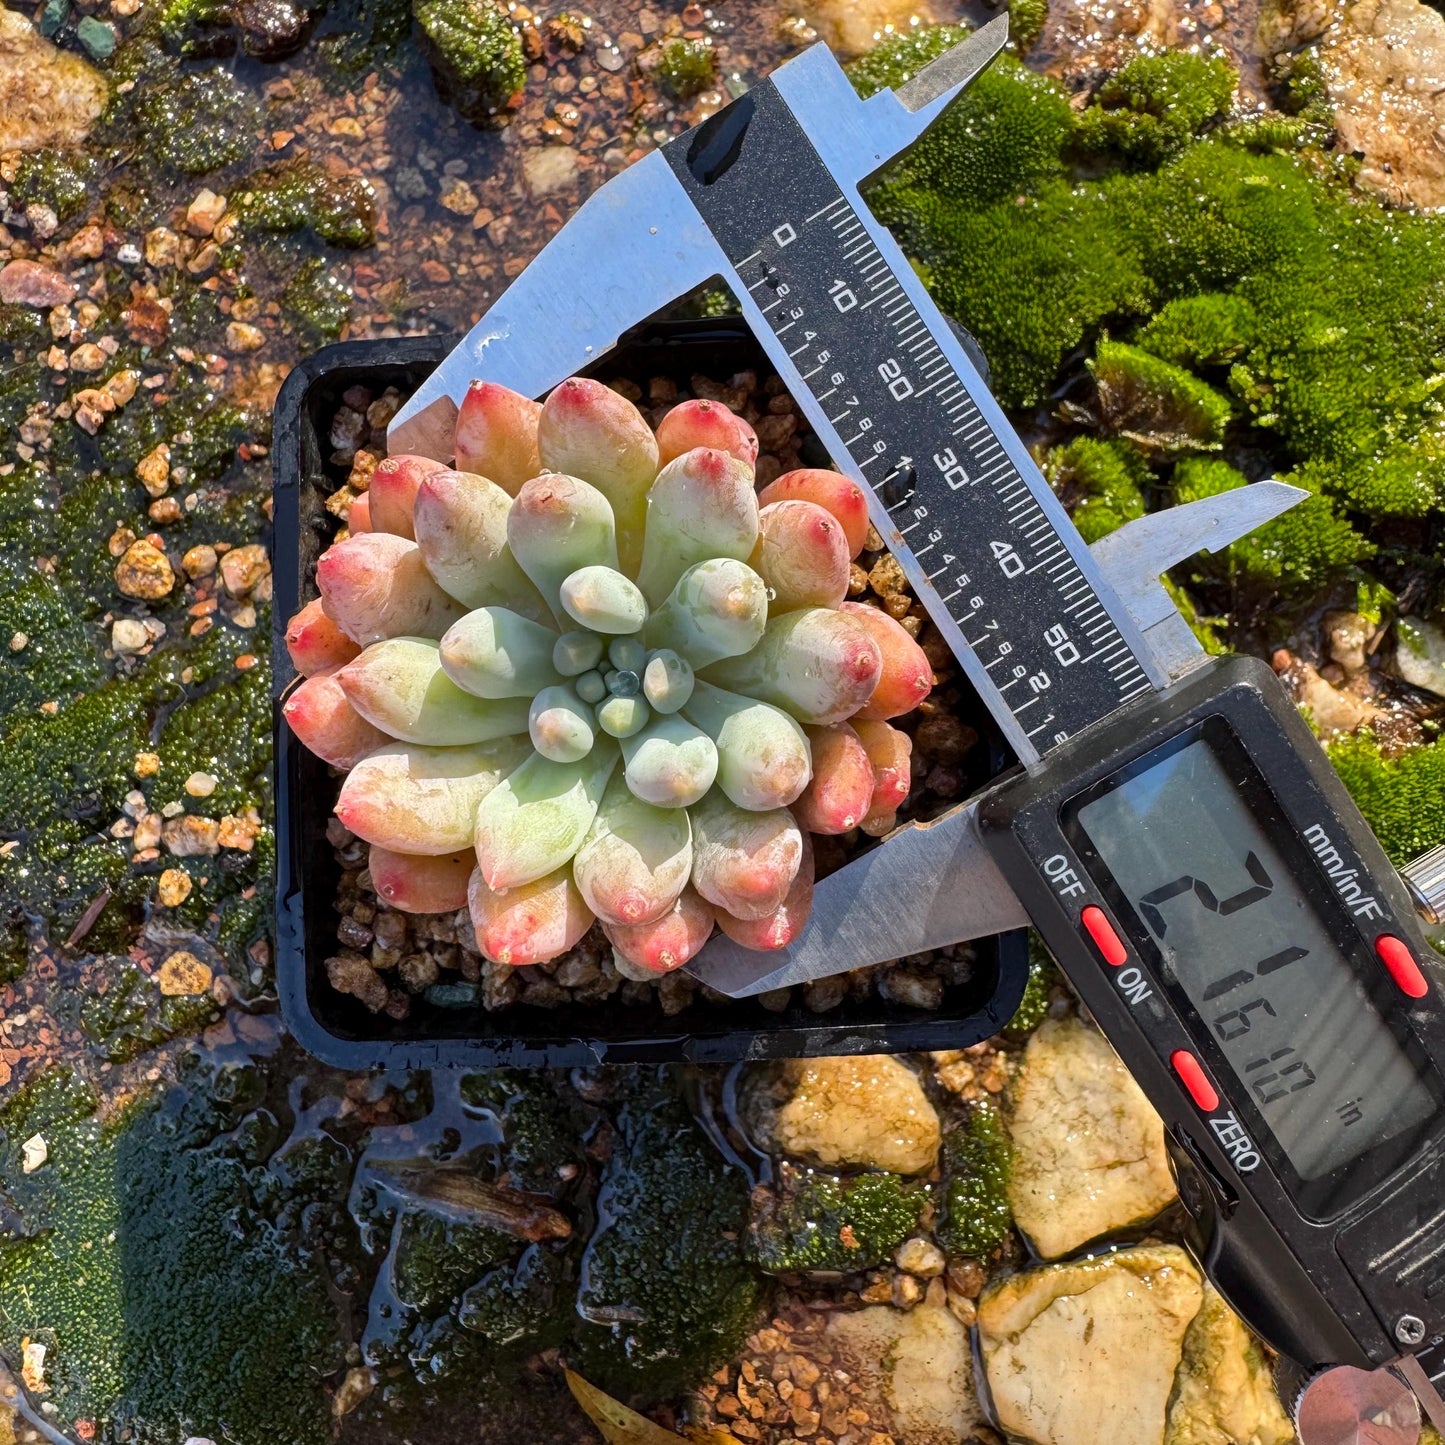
x=927, y=886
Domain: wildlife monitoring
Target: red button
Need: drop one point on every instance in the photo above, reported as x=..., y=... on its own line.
x=1102, y=932
x=1193, y=1077
x=1401, y=964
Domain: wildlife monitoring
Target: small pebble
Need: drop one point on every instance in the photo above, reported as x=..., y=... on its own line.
x=128, y=637
x=183, y=975
x=145, y=571
x=146, y=765
x=920, y=1257
x=33, y=1153
x=200, y=785
x=174, y=887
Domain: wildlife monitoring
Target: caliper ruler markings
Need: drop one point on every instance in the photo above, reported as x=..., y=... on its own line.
x=1010, y=586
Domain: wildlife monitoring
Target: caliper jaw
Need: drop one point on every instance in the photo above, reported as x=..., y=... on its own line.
x=955, y=889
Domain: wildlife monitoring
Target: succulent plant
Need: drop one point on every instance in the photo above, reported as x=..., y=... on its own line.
x=590, y=672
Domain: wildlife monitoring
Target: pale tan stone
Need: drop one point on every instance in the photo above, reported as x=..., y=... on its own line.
x=183, y=975
x=48, y=96
x=1088, y=1351
x=849, y=27
x=867, y=1110
x=1088, y=1147
x=1224, y=1393
x=916, y=1363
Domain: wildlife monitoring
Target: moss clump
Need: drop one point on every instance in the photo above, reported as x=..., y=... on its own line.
x=1206, y=331
x=357, y=36
x=475, y=54
x=224, y=730
x=300, y=196
x=1026, y=19
x=316, y=303
x=1150, y=110
x=62, y=180
x=1302, y=550
x=666, y=1289
x=1161, y=406
x=22, y=326
x=1402, y=798
x=122, y=1012
x=976, y=1163
x=1033, y=1007
x=1004, y=135
x=1101, y=482
x=193, y=28
x=541, y=1127
x=811, y=1221
x=163, y=1216
x=686, y=66
x=193, y=123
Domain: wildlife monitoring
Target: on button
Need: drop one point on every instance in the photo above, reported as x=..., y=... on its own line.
x=1192, y=1076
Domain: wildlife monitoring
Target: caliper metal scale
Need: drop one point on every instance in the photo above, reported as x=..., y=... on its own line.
x=1174, y=830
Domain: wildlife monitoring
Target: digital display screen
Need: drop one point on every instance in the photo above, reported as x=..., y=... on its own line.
x=1241, y=936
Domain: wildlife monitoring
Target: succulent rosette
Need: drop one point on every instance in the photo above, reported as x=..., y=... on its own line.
x=590, y=672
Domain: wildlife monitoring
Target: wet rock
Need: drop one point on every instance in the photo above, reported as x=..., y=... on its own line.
x=1225, y=1388
x=475, y=54
x=272, y=29
x=203, y=213
x=145, y=571
x=350, y=973
x=869, y=1111
x=48, y=97
x=549, y=168
x=29, y=283
x=183, y=974
x=1088, y=1147
x=1331, y=709
x=1089, y=1351
x=192, y=837
x=1420, y=654
x=852, y=26
x=243, y=569
x=1383, y=63
x=915, y=1363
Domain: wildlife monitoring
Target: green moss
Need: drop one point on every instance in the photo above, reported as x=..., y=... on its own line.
x=358, y=36
x=976, y=1161
x=1208, y=330
x=686, y=66
x=301, y=196
x=540, y=1125
x=666, y=1289
x=123, y=1014
x=189, y=123
x=316, y=302
x=1101, y=482
x=164, y=1271
x=1034, y=1005
x=1305, y=549
x=194, y=28
x=1152, y=108
x=1026, y=19
x=811, y=1221
x=62, y=180
x=223, y=730
x=22, y=326
x=1402, y=798
x=475, y=54
x=1004, y=135
x=1161, y=406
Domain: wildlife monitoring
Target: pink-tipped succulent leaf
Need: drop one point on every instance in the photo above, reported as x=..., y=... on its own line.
x=316, y=643
x=416, y=883
x=497, y=435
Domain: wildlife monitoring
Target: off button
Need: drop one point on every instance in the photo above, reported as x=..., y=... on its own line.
x=1097, y=926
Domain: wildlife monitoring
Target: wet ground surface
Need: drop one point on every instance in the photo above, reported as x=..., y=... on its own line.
x=252, y=1223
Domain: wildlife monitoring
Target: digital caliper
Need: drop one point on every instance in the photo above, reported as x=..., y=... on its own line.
x=1174, y=830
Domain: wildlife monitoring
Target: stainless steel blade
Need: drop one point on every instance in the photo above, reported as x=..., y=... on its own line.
x=942, y=79
x=633, y=247
x=1134, y=558
x=929, y=885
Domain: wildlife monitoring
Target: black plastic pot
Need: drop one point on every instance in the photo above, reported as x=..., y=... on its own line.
x=337, y=1028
